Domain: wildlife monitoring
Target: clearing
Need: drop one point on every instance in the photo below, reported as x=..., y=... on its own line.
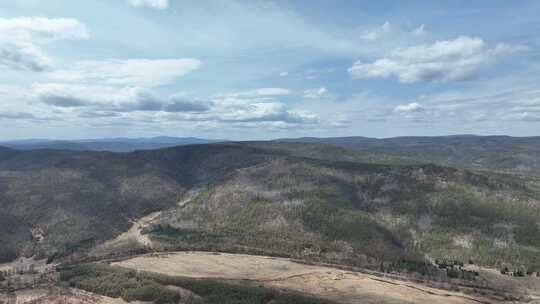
x=324, y=282
x=134, y=234
x=57, y=295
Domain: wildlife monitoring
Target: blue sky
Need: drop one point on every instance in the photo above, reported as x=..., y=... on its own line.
x=268, y=69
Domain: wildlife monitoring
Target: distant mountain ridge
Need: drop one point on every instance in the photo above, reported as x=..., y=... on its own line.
x=119, y=144
x=498, y=152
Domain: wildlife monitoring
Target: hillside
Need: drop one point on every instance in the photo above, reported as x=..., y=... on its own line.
x=82, y=198
x=502, y=153
x=306, y=201
x=360, y=214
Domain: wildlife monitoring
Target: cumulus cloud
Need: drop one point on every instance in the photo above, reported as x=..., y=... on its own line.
x=40, y=28
x=23, y=56
x=140, y=105
x=111, y=99
x=21, y=38
x=100, y=97
x=266, y=112
x=443, y=61
x=134, y=72
x=156, y=4
x=408, y=108
x=315, y=93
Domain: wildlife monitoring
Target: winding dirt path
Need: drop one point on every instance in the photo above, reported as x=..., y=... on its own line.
x=135, y=232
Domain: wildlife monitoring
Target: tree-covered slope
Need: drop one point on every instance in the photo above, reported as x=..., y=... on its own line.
x=501, y=153
x=302, y=200
x=78, y=199
x=359, y=213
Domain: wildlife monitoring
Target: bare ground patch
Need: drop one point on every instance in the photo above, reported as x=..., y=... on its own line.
x=135, y=234
x=57, y=295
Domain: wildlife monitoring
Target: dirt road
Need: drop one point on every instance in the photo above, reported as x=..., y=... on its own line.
x=134, y=234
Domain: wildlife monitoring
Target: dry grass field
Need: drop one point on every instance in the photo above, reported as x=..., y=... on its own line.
x=325, y=282
x=57, y=295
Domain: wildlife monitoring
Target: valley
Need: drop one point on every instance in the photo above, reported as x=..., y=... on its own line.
x=265, y=220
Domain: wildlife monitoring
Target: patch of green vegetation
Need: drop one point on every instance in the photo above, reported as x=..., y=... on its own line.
x=171, y=235
x=142, y=286
x=328, y=214
x=202, y=196
x=118, y=282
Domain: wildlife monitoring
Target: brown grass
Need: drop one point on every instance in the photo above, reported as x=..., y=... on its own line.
x=325, y=282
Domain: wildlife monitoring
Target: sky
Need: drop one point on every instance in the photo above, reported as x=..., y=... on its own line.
x=257, y=69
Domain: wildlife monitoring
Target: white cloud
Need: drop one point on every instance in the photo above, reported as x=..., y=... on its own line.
x=112, y=99
x=265, y=112
x=24, y=56
x=386, y=27
x=20, y=40
x=315, y=93
x=283, y=74
x=156, y=4
x=272, y=92
x=262, y=92
x=30, y=28
x=523, y=116
x=115, y=104
x=412, y=107
x=372, y=35
x=72, y=96
x=443, y=61
x=419, y=31
x=134, y=72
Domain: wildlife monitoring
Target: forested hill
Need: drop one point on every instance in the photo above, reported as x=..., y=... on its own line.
x=502, y=153
x=309, y=201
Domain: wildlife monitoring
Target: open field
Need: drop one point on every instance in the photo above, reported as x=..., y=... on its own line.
x=324, y=282
x=56, y=296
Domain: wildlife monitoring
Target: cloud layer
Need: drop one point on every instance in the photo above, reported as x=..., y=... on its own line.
x=135, y=72
x=226, y=69
x=104, y=98
x=443, y=61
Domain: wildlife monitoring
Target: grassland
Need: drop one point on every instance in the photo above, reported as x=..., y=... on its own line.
x=132, y=285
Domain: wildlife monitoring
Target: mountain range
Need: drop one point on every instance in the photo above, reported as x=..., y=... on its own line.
x=120, y=144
